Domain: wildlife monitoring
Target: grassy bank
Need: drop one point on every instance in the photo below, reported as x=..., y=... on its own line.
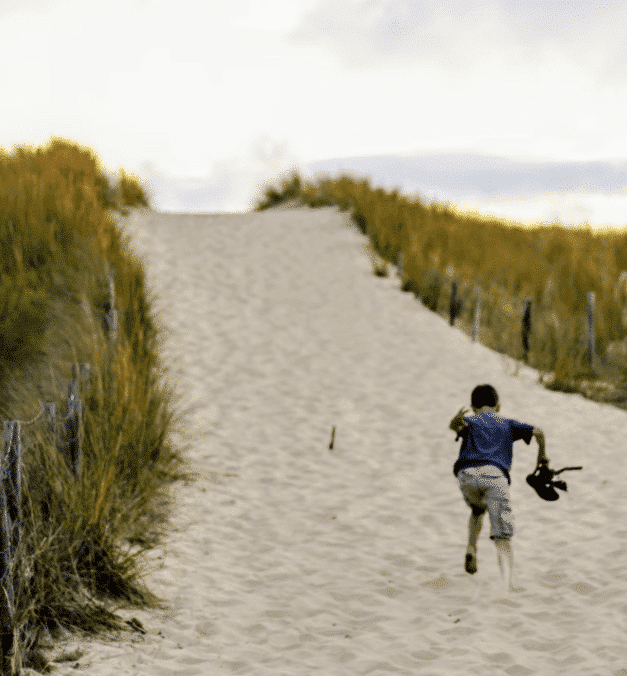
x=554, y=266
x=81, y=539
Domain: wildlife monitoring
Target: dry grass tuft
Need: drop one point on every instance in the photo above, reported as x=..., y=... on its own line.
x=80, y=552
x=555, y=266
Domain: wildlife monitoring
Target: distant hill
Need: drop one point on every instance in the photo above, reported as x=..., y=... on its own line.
x=473, y=174
x=438, y=177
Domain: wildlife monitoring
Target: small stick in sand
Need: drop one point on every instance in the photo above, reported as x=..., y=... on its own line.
x=332, y=438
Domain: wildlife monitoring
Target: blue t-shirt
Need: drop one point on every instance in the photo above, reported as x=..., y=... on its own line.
x=488, y=440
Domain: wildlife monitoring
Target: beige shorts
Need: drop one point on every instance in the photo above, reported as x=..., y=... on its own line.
x=486, y=487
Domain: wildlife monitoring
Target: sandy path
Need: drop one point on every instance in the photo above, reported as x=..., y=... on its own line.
x=288, y=559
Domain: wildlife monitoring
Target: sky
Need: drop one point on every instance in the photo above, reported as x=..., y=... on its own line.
x=510, y=107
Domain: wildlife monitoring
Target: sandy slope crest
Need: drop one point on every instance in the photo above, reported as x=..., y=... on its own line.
x=287, y=558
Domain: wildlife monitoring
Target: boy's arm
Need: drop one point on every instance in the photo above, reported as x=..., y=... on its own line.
x=457, y=424
x=539, y=435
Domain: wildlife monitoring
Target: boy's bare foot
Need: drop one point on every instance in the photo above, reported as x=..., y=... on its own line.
x=506, y=594
x=471, y=562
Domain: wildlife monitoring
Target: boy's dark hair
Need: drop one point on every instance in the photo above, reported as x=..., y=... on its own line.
x=484, y=395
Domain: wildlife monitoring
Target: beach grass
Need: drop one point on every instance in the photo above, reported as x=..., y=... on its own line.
x=81, y=539
x=552, y=265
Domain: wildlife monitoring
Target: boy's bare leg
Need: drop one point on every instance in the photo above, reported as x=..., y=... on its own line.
x=506, y=562
x=474, y=528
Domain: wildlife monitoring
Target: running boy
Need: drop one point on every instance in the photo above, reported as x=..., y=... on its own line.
x=482, y=469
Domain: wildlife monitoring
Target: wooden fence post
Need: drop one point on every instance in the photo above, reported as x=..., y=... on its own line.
x=72, y=427
x=590, y=327
x=10, y=500
x=13, y=490
x=74, y=417
x=50, y=434
x=526, y=327
x=399, y=264
x=13, y=477
x=6, y=590
x=548, y=295
x=50, y=426
x=477, y=317
x=11, y=507
x=80, y=373
x=85, y=370
x=112, y=313
x=454, y=306
x=112, y=330
x=620, y=289
x=620, y=294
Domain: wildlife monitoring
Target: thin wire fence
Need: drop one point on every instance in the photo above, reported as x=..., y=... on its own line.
x=62, y=432
x=532, y=332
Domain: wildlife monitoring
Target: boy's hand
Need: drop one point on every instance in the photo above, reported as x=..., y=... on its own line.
x=539, y=435
x=457, y=424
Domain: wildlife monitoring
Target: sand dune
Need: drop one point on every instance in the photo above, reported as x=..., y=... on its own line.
x=289, y=559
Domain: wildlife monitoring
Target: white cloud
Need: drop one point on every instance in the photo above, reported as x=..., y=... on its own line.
x=270, y=15
x=233, y=184
x=558, y=20
x=11, y=8
x=189, y=89
x=569, y=209
x=459, y=35
x=364, y=33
